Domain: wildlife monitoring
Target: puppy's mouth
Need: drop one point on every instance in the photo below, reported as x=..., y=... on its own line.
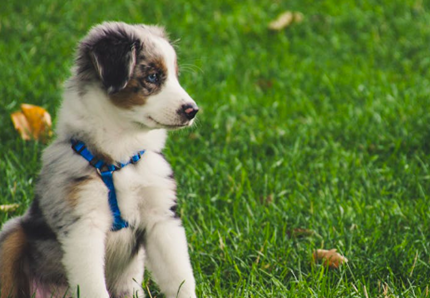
x=169, y=126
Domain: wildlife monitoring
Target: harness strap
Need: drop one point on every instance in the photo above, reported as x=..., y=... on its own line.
x=106, y=173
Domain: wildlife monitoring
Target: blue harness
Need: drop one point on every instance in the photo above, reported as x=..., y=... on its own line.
x=106, y=173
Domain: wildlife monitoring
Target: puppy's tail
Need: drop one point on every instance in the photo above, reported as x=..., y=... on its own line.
x=14, y=280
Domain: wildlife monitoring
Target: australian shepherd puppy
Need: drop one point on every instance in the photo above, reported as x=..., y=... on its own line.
x=123, y=95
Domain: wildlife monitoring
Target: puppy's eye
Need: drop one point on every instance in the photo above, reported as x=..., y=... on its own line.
x=152, y=78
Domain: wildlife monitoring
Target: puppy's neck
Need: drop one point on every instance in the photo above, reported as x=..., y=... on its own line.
x=93, y=119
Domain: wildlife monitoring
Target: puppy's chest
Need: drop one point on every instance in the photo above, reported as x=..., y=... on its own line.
x=144, y=188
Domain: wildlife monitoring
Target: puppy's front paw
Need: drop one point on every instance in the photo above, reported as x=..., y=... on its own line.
x=85, y=294
x=185, y=293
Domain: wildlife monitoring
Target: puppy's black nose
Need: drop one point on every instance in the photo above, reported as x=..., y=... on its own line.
x=190, y=111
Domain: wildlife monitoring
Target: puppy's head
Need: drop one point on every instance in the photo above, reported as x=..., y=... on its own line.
x=136, y=66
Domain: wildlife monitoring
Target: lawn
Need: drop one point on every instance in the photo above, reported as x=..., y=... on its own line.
x=323, y=126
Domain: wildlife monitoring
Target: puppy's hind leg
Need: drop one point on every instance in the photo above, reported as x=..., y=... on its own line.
x=14, y=280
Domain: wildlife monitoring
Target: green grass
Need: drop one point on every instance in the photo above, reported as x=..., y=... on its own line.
x=324, y=126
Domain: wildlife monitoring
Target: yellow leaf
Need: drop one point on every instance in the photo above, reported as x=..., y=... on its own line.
x=9, y=207
x=33, y=122
x=330, y=257
x=285, y=19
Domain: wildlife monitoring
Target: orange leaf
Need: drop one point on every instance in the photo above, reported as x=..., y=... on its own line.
x=32, y=123
x=21, y=125
x=330, y=257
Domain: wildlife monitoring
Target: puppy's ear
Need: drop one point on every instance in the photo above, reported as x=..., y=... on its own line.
x=114, y=60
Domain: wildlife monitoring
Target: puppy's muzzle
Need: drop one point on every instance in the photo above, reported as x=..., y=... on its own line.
x=189, y=111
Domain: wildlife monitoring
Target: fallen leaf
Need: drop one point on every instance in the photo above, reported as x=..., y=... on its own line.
x=285, y=19
x=9, y=207
x=330, y=257
x=194, y=136
x=298, y=17
x=21, y=125
x=300, y=233
x=33, y=122
x=264, y=84
x=282, y=21
x=39, y=120
x=266, y=200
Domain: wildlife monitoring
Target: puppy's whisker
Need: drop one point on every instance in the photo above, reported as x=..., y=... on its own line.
x=190, y=68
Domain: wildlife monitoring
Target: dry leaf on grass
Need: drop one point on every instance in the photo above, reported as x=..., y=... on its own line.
x=21, y=125
x=298, y=17
x=9, y=207
x=330, y=257
x=266, y=200
x=32, y=122
x=285, y=19
x=300, y=233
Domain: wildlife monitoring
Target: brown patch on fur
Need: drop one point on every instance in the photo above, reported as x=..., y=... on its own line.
x=74, y=189
x=131, y=96
x=13, y=278
x=139, y=88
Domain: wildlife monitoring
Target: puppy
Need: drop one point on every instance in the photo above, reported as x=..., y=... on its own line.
x=105, y=199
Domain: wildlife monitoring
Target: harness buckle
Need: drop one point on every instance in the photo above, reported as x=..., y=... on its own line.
x=135, y=158
x=103, y=169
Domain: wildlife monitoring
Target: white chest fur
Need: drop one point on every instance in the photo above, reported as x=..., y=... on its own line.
x=145, y=190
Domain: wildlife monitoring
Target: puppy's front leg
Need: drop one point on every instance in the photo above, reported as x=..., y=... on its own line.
x=168, y=260
x=84, y=251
